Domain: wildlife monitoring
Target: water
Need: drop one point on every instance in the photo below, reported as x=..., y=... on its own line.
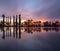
x=30, y=39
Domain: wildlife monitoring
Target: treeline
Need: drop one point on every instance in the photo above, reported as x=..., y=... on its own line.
x=16, y=20
x=31, y=23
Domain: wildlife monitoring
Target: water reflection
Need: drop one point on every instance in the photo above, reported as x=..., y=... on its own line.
x=11, y=32
x=30, y=39
x=15, y=32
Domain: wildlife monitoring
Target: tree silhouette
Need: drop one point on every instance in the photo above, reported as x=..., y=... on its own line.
x=3, y=15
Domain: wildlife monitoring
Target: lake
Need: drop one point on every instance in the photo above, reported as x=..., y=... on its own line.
x=30, y=39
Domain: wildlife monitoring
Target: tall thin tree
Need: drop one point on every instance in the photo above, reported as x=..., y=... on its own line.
x=3, y=15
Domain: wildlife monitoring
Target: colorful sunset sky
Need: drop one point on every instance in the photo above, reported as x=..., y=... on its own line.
x=31, y=9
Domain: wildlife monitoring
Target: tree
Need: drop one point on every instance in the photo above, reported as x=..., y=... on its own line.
x=3, y=15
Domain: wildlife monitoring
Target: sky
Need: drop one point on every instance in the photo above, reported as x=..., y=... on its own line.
x=32, y=9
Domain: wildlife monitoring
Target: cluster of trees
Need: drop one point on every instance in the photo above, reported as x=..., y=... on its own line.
x=28, y=23
x=52, y=24
x=31, y=23
x=7, y=20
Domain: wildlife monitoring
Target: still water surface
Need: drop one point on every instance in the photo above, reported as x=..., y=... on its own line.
x=30, y=39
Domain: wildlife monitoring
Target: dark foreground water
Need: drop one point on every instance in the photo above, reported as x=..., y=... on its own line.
x=30, y=39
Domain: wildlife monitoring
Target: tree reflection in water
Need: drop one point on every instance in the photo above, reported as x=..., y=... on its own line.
x=15, y=32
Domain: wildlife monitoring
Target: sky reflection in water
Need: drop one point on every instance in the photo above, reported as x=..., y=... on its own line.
x=30, y=39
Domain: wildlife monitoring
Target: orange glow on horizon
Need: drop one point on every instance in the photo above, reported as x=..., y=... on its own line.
x=23, y=20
